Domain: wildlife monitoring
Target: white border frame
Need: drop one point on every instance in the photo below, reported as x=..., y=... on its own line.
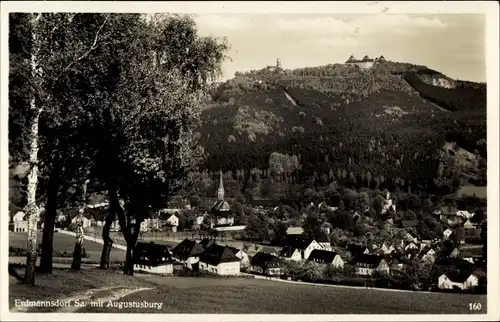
x=489, y=8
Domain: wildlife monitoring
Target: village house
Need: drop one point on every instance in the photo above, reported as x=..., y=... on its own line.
x=472, y=255
x=207, y=242
x=303, y=244
x=243, y=256
x=429, y=256
x=294, y=231
x=457, y=279
x=326, y=257
x=188, y=252
x=464, y=214
x=219, y=260
x=387, y=250
x=411, y=245
x=153, y=258
x=173, y=222
x=367, y=264
x=324, y=240
x=266, y=264
x=469, y=225
x=388, y=204
x=354, y=250
x=447, y=233
x=270, y=250
x=290, y=253
x=19, y=223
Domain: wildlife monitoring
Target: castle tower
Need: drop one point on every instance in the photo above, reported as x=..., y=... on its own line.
x=220, y=191
x=278, y=63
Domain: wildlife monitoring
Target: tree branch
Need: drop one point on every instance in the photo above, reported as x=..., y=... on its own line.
x=94, y=45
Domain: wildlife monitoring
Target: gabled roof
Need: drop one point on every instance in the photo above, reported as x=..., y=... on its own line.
x=216, y=254
x=356, y=249
x=322, y=256
x=187, y=248
x=207, y=242
x=221, y=206
x=234, y=249
x=297, y=241
x=265, y=260
x=269, y=250
x=151, y=253
x=458, y=276
x=471, y=252
x=372, y=260
x=287, y=251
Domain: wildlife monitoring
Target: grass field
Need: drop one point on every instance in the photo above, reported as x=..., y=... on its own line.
x=253, y=296
x=241, y=295
x=66, y=243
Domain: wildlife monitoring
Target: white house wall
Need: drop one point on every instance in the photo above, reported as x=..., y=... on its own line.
x=226, y=269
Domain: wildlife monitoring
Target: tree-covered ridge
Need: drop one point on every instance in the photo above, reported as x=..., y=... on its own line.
x=341, y=117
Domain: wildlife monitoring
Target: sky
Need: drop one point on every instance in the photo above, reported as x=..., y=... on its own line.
x=453, y=44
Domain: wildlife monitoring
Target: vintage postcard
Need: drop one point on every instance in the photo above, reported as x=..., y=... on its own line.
x=249, y=161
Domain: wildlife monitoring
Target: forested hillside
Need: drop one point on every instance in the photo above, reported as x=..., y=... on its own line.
x=387, y=124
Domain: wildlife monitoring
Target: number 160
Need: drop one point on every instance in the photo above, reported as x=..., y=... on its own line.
x=475, y=306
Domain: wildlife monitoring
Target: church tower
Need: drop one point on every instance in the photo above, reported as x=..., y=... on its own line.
x=278, y=63
x=220, y=191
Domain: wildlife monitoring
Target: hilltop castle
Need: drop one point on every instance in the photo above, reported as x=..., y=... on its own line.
x=364, y=63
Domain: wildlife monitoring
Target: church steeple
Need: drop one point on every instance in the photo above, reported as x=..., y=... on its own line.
x=220, y=191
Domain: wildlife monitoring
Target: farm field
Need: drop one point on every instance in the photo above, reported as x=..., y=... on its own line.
x=63, y=242
x=254, y=296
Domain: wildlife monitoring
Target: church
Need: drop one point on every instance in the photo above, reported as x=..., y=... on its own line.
x=221, y=209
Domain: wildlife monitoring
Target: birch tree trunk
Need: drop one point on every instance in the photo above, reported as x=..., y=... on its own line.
x=77, y=252
x=32, y=210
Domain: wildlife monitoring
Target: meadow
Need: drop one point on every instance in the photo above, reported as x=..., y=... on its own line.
x=66, y=243
x=254, y=296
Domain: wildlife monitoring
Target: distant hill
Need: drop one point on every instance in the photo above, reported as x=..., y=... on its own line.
x=392, y=121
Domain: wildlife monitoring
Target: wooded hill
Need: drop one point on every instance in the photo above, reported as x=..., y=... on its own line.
x=388, y=123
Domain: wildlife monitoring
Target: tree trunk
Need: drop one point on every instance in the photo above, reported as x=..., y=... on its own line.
x=32, y=208
x=129, y=258
x=49, y=222
x=77, y=252
x=108, y=242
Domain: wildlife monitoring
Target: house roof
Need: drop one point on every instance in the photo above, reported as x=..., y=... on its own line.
x=297, y=241
x=269, y=250
x=187, y=248
x=287, y=251
x=216, y=254
x=221, y=206
x=355, y=249
x=207, y=242
x=265, y=260
x=458, y=276
x=234, y=249
x=471, y=252
x=151, y=253
x=372, y=260
x=322, y=256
